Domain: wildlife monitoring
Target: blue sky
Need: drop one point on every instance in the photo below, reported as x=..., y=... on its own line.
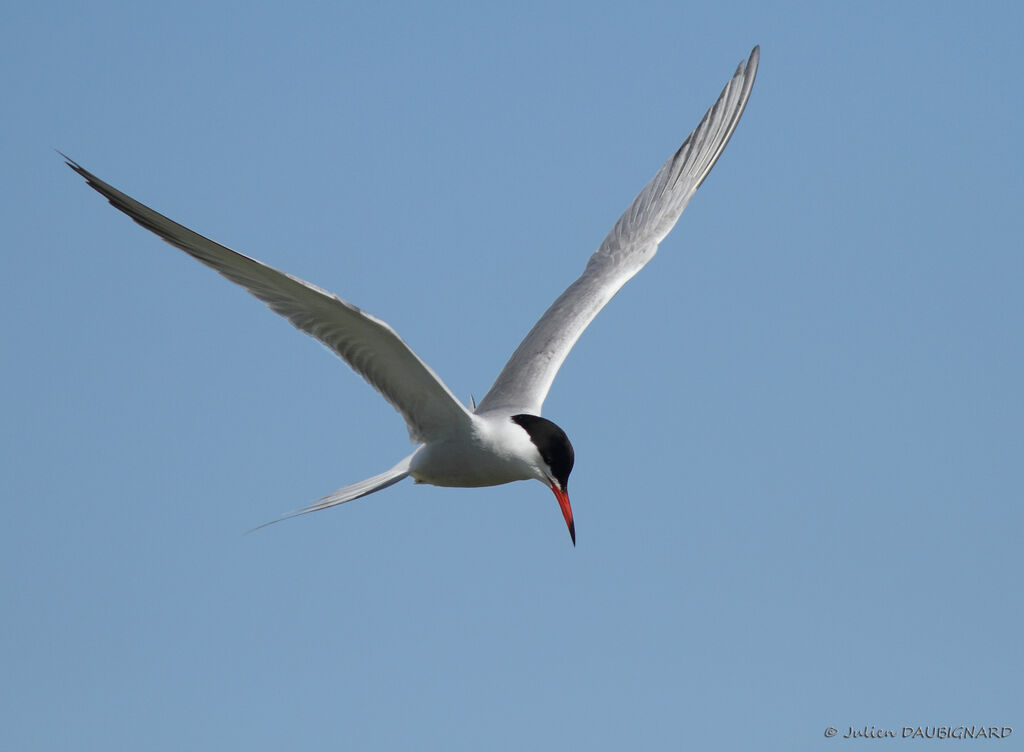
x=798, y=430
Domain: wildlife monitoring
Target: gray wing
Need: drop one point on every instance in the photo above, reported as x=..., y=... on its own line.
x=525, y=380
x=367, y=344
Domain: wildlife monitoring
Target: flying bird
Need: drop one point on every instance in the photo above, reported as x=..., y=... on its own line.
x=503, y=438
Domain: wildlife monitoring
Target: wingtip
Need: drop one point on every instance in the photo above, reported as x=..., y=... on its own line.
x=89, y=177
x=750, y=64
x=68, y=160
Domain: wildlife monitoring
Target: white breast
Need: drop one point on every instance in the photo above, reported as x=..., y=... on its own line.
x=496, y=451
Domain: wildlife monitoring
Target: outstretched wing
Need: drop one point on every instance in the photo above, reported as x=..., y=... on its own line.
x=367, y=344
x=525, y=380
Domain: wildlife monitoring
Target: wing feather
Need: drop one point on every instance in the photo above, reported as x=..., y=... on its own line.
x=371, y=347
x=526, y=378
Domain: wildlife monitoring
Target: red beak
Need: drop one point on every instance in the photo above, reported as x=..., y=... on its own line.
x=563, y=502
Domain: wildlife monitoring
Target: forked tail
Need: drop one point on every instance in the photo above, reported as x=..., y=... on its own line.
x=350, y=493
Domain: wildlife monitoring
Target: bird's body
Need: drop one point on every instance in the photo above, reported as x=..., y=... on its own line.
x=494, y=451
x=503, y=439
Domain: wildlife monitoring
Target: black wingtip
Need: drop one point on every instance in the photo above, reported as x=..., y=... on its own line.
x=68, y=160
x=77, y=168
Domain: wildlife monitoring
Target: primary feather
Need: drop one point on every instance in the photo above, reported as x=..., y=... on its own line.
x=371, y=347
x=525, y=380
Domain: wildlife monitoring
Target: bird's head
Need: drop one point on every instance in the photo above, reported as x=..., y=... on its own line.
x=557, y=459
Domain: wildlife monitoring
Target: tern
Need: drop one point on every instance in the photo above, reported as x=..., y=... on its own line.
x=503, y=438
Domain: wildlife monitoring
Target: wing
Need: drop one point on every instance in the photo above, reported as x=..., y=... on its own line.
x=525, y=380
x=367, y=344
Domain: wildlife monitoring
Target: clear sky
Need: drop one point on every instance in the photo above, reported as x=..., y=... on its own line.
x=798, y=431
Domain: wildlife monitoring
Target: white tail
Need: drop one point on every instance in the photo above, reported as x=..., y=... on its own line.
x=352, y=492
